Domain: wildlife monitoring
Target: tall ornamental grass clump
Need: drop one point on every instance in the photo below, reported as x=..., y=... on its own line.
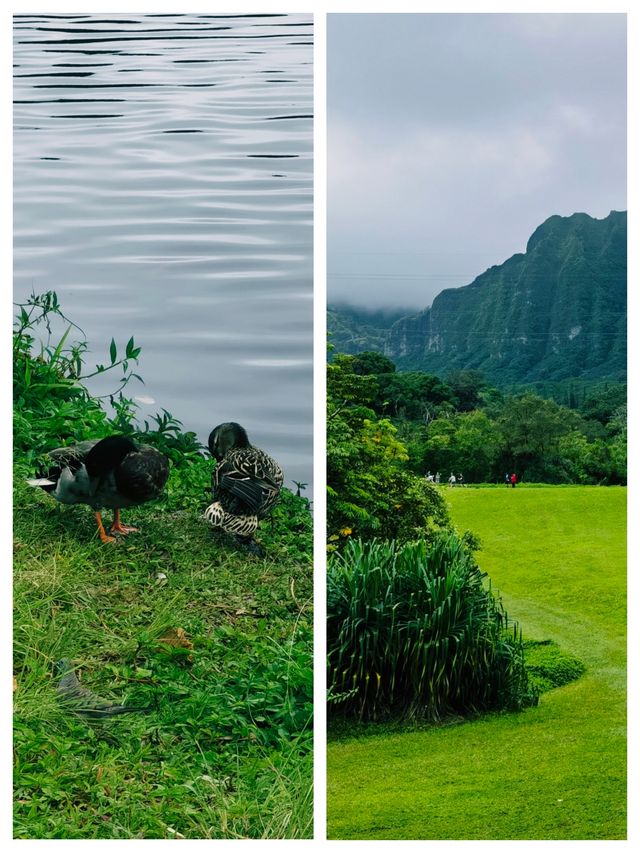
x=414, y=633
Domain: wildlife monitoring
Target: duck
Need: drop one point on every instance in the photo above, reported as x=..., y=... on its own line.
x=245, y=485
x=112, y=472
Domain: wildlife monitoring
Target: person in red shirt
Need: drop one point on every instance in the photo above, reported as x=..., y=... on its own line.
x=513, y=479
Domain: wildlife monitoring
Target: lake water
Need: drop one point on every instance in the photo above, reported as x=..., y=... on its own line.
x=163, y=188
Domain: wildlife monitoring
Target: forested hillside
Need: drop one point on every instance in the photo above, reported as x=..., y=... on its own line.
x=554, y=313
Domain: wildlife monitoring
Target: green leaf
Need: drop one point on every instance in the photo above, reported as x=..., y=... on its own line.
x=113, y=351
x=58, y=349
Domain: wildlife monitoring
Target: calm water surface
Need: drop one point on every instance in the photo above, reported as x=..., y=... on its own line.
x=163, y=188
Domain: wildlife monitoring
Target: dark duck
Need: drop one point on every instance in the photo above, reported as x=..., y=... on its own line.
x=112, y=472
x=245, y=485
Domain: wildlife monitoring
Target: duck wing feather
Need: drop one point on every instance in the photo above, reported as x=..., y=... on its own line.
x=251, y=477
x=141, y=476
x=249, y=491
x=71, y=457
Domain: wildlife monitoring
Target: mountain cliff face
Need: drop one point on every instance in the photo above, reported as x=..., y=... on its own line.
x=557, y=311
x=352, y=330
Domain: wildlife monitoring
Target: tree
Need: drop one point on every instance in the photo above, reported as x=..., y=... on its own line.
x=617, y=427
x=531, y=429
x=413, y=395
x=604, y=401
x=469, y=443
x=438, y=451
x=366, y=363
x=466, y=386
x=477, y=446
x=369, y=490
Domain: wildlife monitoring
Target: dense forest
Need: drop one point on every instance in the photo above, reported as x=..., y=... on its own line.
x=384, y=427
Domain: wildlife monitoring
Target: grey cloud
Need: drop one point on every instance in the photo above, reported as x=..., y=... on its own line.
x=451, y=137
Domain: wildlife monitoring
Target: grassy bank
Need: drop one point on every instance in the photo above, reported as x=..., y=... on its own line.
x=214, y=642
x=557, y=555
x=225, y=751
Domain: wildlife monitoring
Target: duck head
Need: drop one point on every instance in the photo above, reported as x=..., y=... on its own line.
x=107, y=454
x=224, y=437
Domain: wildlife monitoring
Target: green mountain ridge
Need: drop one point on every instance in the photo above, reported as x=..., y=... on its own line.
x=354, y=329
x=555, y=312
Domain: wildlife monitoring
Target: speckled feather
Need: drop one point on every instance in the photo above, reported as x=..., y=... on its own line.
x=247, y=481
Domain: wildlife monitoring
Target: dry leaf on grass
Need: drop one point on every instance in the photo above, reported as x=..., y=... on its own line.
x=177, y=639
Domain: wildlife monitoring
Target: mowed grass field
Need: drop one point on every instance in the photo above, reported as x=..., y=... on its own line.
x=557, y=555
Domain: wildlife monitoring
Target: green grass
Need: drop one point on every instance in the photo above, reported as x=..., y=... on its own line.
x=557, y=556
x=225, y=751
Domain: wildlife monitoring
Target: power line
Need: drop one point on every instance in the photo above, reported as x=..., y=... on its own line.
x=416, y=276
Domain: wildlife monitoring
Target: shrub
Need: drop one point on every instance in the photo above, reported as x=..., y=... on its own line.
x=413, y=632
x=370, y=492
x=548, y=666
x=51, y=401
x=52, y=405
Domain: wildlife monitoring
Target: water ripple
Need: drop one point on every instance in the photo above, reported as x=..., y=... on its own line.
x=183, y=215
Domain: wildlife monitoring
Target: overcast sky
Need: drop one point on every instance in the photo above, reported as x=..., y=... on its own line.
x=453, y=136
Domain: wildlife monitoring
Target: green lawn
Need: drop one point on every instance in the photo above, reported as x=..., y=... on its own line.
x=557, y=556
x=225, y=751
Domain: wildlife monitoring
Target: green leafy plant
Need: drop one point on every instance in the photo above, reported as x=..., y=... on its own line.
x=413, y=632
x=62, y=360
x=370, y=492
x=168, y=436
x=52, y=404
